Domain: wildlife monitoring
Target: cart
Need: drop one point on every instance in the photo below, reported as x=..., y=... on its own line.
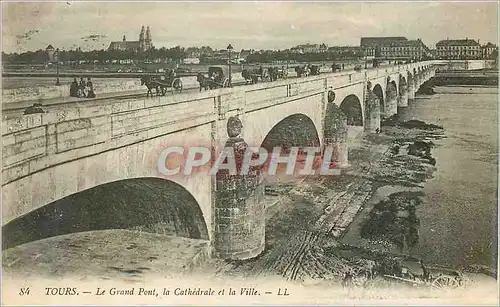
x=218, y=76
x=169, y=79
x=315, y=70
x=438, y=278
x=253, y=75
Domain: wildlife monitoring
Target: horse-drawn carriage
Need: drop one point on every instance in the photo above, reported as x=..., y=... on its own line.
x=276, y=73
x=307, y=70
x=282, y=73
x=336, y=67
x=162, y=83
x=253, y=75
x=217, y=78
x=315, y=70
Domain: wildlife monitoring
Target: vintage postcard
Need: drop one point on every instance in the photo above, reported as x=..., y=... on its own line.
x=241, y=153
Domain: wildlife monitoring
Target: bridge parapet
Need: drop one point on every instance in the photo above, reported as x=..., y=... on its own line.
x=37, y=141
x=49, y=92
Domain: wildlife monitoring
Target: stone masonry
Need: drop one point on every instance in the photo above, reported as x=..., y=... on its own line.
x=49, y=156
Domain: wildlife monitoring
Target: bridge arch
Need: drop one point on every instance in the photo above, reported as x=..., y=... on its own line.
x=147, y=204
x=377, y=90
x=258, y=124
x=351, y=107
x=402, y=81
x=294, y=130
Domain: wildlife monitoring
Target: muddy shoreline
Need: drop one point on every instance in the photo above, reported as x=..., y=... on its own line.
x=363, y=220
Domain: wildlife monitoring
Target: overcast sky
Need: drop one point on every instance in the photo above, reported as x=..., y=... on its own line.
x=264, y=25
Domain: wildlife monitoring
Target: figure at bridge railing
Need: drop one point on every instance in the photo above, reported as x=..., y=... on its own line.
x=73, y=89
x=82, y=89
x=90, y=89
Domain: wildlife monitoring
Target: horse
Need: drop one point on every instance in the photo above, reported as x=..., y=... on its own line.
x=302, y=71
x=250, y=75
x=315, y=70
x=204, y=82
x=151, y=84
x=336, y=67
x=273, y=74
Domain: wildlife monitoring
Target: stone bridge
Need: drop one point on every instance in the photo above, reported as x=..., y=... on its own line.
x=49, y=159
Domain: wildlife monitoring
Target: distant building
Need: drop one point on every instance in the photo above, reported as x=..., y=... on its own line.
x=458, y=49
x=323, y=48
x=245, y=53
x=50, y=51
x=144, y=43
x=220, y=55
x=394, y=48
x=371, y=45
x=487, y=50
x=309, y=48
x=355, y=50
x=191, y=61
x=407, y=49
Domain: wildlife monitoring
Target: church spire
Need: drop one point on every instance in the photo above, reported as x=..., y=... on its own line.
x=141, y=40
x=149, y=42
x=141, y=36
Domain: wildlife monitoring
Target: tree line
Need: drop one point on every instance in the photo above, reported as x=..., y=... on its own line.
x=174, y=54
x=42, y=57
x=284, y=56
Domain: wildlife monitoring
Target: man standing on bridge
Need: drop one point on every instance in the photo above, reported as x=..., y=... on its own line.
x=90, y=89
x=73, y=89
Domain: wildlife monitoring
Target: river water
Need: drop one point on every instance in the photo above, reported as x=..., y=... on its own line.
x=458, y=219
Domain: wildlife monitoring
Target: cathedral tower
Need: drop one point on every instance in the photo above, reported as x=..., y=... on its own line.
x=142, y=45
x=149, y=40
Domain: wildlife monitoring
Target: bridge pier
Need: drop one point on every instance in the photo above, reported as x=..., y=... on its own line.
x=239, y=205
x=372, y=110
x=391, y=99
x=336, y=136
x=411, y=90
x=403, y=95
x=336, y=132
x=341, y=150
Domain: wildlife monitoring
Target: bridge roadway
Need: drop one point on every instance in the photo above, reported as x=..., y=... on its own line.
x=55, y=156
x=15, y=109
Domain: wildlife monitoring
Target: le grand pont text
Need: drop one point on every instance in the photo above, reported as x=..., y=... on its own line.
x=142, y=291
